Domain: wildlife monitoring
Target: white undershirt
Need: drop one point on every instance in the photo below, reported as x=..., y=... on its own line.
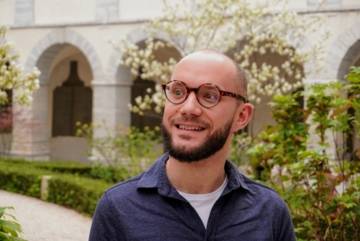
x=203, y=203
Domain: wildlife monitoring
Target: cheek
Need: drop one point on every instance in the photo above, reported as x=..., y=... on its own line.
x=223, y=119
x=169, y=111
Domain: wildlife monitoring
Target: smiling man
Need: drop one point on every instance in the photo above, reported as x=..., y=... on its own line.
x=192, y=192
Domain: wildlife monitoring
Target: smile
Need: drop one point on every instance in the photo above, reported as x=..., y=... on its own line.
x=189, y=127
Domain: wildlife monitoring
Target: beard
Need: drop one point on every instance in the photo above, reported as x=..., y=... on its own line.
x=212, y=145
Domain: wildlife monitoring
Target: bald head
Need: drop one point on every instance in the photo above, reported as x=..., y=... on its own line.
x=217, y=58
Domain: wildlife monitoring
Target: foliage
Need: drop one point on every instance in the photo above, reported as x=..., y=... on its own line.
x=16, y=86
x=126, y=153
x=254, y=35
x=76, y=192
x=19, y=179
x=321, y=188
x=69, y=167
x=72, y=190
x=110, y=174
x=12, y=76
x=9, y=229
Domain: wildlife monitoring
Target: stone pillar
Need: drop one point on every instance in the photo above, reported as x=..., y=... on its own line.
x=110, y=107
x=110, y=110
x=31, y=130
x=44, y=187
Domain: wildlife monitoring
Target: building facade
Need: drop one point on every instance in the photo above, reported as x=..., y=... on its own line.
x=70, y=43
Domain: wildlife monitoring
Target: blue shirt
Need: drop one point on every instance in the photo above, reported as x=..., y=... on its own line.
x=148, y=208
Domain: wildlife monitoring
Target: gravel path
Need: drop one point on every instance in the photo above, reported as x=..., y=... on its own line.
x=42, y=221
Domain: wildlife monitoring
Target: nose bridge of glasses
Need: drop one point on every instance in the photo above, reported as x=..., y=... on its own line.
x=191, y=102
x=191, y=91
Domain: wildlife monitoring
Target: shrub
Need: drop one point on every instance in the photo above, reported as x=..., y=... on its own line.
x=111, y=174
x=321, y=188
x=9, y=229
x=70, y=167
x=124, y=154
x=74, y=191
x=108, y=173
x=21, y=180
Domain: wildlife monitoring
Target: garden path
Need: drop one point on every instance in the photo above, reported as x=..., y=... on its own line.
x=42, y=221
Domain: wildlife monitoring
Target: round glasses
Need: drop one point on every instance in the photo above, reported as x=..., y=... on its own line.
x=208, y=95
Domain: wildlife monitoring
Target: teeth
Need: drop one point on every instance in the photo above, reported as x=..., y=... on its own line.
x=190, y=128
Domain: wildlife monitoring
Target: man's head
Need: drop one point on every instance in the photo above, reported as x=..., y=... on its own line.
x=205, y=106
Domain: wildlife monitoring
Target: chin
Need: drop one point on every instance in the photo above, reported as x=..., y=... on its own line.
x=187, y=145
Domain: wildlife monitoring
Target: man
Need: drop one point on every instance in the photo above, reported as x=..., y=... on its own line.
x=192, y=192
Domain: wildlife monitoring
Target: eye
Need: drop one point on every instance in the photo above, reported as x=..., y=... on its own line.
x=209, y=94
x=177, y=91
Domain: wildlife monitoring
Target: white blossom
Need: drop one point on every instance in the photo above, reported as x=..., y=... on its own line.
x=220, y=25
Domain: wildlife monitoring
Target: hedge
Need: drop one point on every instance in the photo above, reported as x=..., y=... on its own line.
x=56, y=166
x=21, y=180
x=81, y=194
x=73, y=191
x=106, y=173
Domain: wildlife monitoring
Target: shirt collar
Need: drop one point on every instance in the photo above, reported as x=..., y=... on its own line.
x=156, y=177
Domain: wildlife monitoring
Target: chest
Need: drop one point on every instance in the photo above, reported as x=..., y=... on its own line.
x=178, y=221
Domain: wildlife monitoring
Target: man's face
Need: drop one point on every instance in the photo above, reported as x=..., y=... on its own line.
x=191, y=131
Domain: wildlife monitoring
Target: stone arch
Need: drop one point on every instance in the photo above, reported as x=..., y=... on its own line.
x=263, y=115
x=46, y=49
x=42, y=56
x=342, y=52
x=121, y=74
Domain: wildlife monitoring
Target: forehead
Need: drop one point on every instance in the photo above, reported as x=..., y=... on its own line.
x=206, y=68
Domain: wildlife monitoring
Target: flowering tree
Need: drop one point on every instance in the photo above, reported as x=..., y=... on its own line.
x=12, y=78
x=253, y=35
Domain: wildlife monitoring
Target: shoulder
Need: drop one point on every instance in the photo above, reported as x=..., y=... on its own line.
x=122, y=190
x=264, y=194
x=275, y=208
x=256, y=194
x=130, y=190
x=270, y=202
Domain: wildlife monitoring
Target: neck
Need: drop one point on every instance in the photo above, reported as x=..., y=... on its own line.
x=203, y=176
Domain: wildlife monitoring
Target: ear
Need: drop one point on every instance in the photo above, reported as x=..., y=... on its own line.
x=243, y=116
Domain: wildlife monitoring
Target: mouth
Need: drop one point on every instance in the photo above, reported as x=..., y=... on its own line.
x=187, y=127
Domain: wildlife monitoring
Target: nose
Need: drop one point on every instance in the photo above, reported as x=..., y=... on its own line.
x=191, y=106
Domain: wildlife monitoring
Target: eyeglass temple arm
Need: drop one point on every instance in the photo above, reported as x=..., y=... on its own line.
x=239, y=97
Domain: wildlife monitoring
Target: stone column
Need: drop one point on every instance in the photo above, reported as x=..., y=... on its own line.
x=110, y=110
x=110, y=106
x=31, y=130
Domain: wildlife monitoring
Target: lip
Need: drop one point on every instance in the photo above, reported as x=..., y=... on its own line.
x=189, y=127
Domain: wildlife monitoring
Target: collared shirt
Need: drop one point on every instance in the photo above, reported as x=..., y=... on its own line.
x=148, y=208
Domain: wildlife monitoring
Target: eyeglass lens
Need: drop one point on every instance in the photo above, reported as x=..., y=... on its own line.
x=207, y=94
